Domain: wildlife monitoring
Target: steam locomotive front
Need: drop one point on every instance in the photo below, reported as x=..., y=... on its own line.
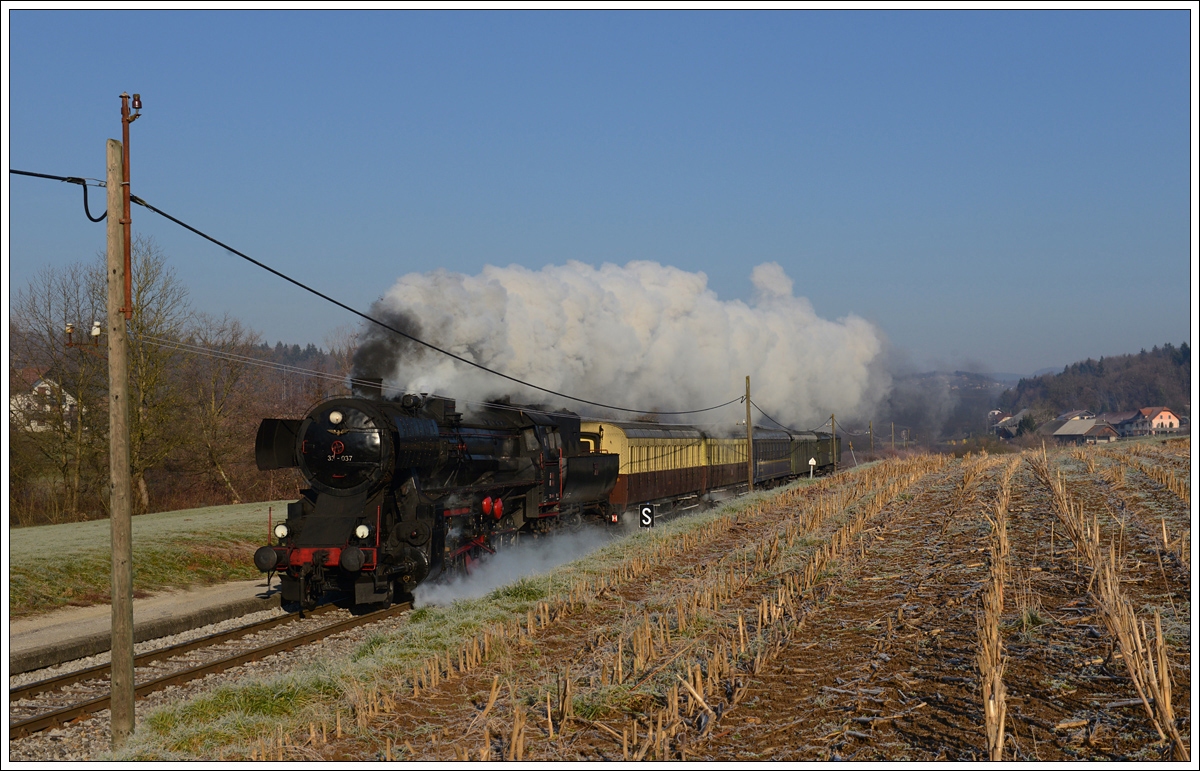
x=343, y=533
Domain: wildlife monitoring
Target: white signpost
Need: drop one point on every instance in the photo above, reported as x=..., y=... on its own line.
x=647, y=516
x=812, y=464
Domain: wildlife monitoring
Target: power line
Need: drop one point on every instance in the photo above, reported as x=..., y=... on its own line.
x=214, y=353
x=186, y=346
x=135, y=199
x=74, y=180
x=431, y=346
x=327, y=298
x=788, y=428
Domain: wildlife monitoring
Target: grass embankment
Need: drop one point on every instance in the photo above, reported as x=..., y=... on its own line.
x=56, y=566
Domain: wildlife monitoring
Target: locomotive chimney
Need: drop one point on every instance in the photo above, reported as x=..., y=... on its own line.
x=368, y=387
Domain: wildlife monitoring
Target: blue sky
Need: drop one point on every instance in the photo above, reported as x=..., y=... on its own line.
x=1007, y=189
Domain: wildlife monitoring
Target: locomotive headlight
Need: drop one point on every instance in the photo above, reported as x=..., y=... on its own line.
x=362, y=531
x=335, y=417
x=281, y=530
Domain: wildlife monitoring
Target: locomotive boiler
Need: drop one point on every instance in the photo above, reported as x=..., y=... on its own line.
x=402, y=489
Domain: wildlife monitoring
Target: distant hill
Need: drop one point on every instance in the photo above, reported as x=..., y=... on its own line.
x=1157, y=378
x=936, y=405
x=1010, y=378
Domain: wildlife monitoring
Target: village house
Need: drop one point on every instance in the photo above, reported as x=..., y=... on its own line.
x=1085, y=431
x=1085, y=427
x=1007, y=426
x=1154, y=420
x=1122, y=422
x=43, y=406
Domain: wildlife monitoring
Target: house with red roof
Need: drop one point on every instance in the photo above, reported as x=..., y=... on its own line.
x=1154, y=420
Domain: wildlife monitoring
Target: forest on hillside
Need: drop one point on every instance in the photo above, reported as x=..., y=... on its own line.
x=1157, y=378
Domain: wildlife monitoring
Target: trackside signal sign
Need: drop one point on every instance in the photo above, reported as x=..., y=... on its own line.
x=646, y=518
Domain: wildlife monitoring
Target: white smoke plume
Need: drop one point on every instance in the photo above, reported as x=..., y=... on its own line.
x=644, y=336
x=530, y=557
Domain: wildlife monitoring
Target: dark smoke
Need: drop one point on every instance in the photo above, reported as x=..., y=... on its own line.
x=380, y=351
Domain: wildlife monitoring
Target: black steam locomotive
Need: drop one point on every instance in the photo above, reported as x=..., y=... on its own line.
x=402, y=489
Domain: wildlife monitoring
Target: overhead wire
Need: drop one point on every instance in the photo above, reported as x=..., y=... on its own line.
x=135, y=199
x=768, y=417
x=290, y=369
x=327, y=298
x=188, y=346
x=648, y=458
x=414, y=339
x=81, y=181
x=787, y=428
x=196, y=349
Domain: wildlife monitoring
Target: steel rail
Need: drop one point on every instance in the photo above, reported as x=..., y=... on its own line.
x=104, y=670
x=65, y=715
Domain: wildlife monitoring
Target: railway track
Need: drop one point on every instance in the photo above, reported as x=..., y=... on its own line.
x=59, y=700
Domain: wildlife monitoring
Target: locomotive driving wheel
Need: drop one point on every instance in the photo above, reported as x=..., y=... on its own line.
x=467, y=556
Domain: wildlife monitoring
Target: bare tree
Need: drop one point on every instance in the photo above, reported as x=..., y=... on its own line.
x=195, y=400
x=161, y=317
x=58, y=400
x=221, y=384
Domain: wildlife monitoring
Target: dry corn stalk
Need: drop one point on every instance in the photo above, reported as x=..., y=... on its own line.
x=1151, y=680
x=990, y=658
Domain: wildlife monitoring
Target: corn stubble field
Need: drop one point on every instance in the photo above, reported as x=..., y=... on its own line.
x=1016, y=607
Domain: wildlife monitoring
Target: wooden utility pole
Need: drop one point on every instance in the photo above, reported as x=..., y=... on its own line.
x=871, y=428
x=834, y=446
x=121, y=496
x=749, y=439
x=893, y=436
